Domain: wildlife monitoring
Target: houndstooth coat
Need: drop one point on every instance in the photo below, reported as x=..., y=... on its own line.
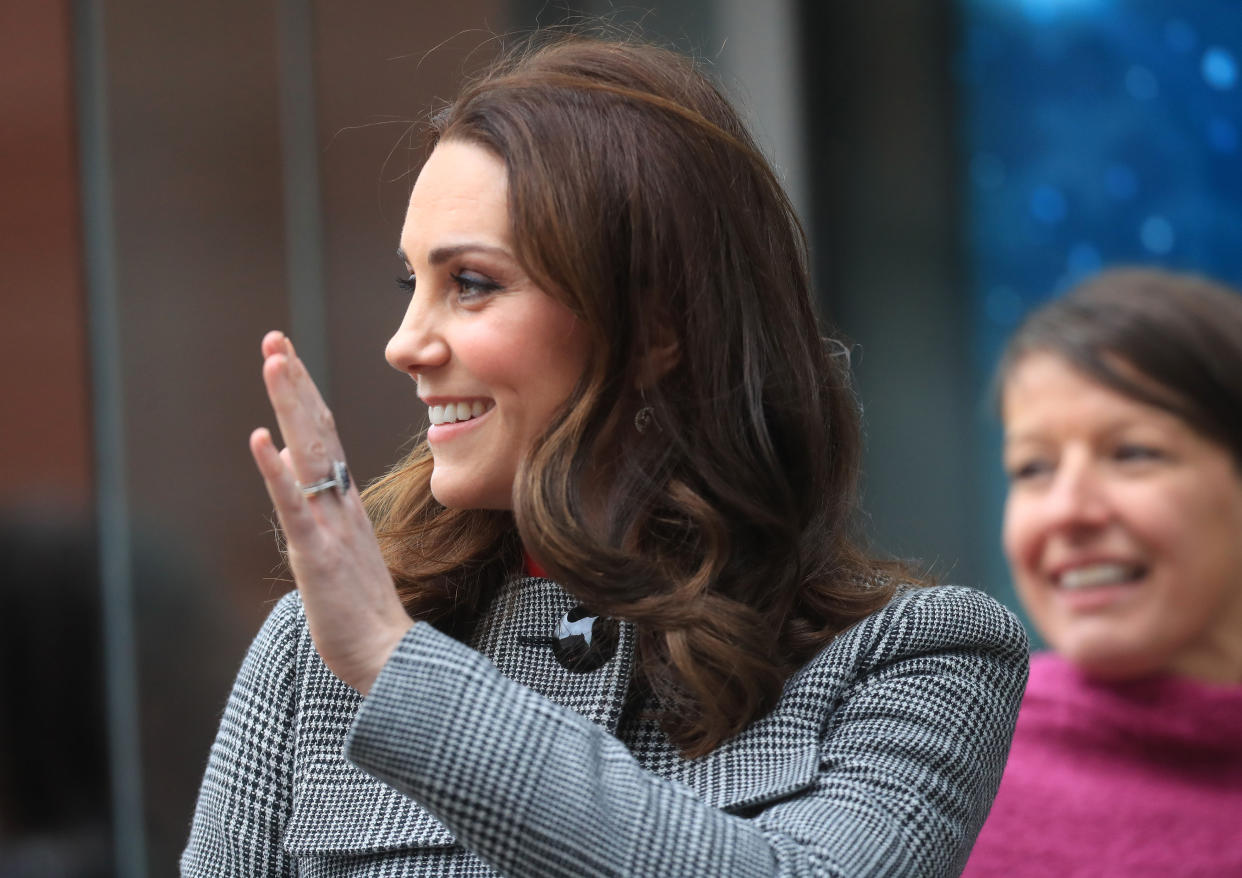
x=881, y=758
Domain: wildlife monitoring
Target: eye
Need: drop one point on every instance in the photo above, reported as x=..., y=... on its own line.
x=1132, y=453
x=1028, y=470
x=406, y=283
x=472, y=286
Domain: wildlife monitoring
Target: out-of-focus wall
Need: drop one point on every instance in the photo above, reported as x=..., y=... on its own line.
x=46, y=444
x=53, y=758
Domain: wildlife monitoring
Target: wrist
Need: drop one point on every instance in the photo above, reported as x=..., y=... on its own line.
x=384, y=649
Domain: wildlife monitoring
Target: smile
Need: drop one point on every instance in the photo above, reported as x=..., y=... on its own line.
x=1096, y=575
x=455, y=412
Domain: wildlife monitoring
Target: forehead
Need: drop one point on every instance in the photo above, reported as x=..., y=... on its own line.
x=461, y=192
x=1044, y=390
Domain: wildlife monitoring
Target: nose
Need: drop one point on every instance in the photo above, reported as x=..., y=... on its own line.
x=1078, y=497
x=419, y=343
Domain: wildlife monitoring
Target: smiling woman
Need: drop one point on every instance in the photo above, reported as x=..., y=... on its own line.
x=1123, y=526
x=610, y=616
x=1122, y=406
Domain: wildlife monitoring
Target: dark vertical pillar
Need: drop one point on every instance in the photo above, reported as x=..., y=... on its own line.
x=111, y=482
x=299, y=144
x=883, y=158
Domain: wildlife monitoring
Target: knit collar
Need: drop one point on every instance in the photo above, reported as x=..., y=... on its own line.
x=1161, y=708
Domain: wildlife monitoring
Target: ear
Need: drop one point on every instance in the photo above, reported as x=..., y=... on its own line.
x=658, y=360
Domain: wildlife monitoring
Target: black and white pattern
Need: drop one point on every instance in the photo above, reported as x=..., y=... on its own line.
x=881, y=758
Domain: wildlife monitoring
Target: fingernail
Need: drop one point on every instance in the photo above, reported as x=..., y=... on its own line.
x=289, y=345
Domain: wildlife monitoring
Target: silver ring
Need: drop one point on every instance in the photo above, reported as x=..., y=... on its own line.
x=339, y=480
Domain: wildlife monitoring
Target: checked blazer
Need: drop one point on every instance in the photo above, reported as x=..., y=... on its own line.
x=881, y=758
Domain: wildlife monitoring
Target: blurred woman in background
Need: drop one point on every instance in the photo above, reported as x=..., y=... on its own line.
x=1122, y=410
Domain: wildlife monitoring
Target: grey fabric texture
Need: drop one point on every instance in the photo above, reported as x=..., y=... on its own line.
x=881, y=758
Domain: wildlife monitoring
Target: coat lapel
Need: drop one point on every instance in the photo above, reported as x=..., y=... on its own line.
x=771, y=759
x=779, y=754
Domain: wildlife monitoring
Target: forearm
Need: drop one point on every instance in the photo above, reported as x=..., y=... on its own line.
x=533, y=788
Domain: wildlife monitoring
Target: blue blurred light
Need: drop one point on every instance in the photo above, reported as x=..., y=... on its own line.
x=987, y=171
x=1048, y=204
x=1157, y=235
x=1120, y=182
x=1222, y=134
x=1219, y=68
x=1047, y=10
x=1141, y=84
x=1179, y=35
x=1083, y=259
x=1003, y=306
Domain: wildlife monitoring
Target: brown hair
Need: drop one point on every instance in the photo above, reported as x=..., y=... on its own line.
x=723, y=530
x=1166, y=339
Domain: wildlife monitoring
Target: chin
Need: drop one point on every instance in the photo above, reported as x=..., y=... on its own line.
x=1108, y=661
x=462, y=497
x=448, y=495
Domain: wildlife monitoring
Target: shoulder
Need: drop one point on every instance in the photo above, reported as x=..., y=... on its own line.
x=937, y=618
x=285, y=624
x=277, y=651
x=936, y=629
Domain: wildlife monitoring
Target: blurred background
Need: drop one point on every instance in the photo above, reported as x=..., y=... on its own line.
x=178, y=178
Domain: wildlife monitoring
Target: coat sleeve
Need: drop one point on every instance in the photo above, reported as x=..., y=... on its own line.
x=909, y=761
x=246, y=796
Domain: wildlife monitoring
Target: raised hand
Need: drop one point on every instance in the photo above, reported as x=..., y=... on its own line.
x=354, y=614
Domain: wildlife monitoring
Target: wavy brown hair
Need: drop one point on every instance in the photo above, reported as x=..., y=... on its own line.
x=723, y=531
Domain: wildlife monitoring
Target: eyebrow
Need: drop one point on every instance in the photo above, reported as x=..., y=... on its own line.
x=441, y=255
x=1108, y=430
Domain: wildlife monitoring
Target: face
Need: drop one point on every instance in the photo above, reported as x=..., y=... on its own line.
x=494, y=356
x=1123, y=528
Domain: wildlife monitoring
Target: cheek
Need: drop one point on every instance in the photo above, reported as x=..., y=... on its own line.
x=496, y=358
x=553, y=375
x=1022, y=544
x=1172, y=523
x=1200, y=545
x=1017, y=534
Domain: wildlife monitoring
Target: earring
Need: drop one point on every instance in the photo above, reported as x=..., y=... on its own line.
x=643, y=418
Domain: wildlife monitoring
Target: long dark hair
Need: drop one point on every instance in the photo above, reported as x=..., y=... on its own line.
x=1166, y=339
x=724, y=529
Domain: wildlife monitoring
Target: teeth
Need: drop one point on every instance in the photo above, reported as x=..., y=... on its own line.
x=1097, y=574
x=453, y=412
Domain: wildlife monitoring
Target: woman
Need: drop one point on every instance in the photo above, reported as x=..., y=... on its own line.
x=647, y=643
x=1122, y=405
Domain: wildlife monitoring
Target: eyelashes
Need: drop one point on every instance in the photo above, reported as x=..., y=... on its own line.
x=469, y=285
x=473, y=286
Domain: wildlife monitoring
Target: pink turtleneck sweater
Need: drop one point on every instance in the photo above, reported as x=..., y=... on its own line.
x=1141, y=778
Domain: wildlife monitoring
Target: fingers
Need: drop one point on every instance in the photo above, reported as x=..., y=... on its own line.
x=273, y=343
x=305, y=422
x=291, y=507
